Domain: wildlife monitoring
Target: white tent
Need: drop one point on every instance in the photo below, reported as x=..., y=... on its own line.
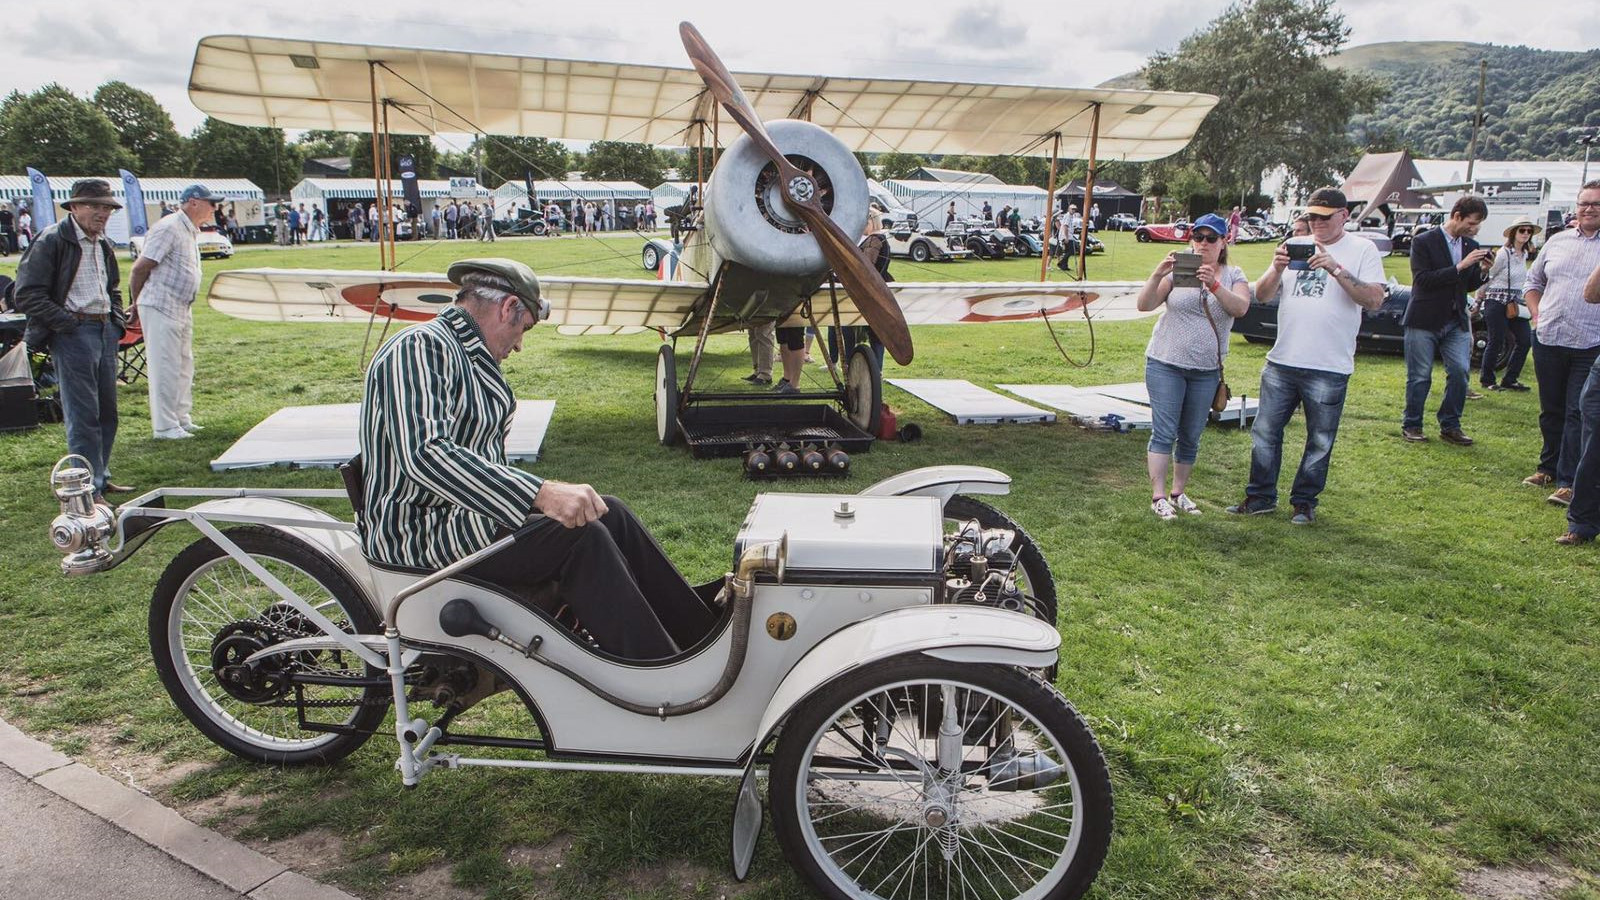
x=247, y=198
x=1565, y=177
x=930, y=199
x=670, y=193
x=365, y=189
x=317, y=84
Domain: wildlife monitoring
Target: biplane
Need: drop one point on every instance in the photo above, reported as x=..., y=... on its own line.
x=775, y=237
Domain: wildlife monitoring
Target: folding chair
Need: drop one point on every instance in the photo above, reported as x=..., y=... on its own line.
x=130, y=355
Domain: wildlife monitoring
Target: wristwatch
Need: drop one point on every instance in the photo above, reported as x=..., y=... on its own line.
x=1338, y=272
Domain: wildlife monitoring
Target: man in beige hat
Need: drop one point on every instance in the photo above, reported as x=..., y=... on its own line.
x=437, y=486
x=68, y=284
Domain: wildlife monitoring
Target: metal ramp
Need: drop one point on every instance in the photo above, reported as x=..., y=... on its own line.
x=1241, y=410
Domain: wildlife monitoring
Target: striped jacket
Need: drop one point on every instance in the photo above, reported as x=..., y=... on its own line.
x=434, y=420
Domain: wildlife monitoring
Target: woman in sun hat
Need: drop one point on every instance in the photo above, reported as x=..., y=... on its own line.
x=1183, y=362
x=1504, y=313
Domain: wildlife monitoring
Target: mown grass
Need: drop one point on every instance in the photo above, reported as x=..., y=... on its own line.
x=1365, y=708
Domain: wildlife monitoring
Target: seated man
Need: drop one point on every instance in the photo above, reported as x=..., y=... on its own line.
x=434, y=418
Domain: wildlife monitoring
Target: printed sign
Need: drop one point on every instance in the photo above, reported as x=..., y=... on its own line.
x=1509, y=191
x=463, y=188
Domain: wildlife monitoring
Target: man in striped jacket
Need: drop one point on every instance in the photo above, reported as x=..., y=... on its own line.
x=434, y=419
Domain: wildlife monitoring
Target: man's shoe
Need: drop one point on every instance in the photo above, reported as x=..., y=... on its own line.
x=1414, y=435
x=1515, y=386
x=1473, y=395
x=1493, y=387
x=176, y=434
x=1304, y=514
x=1573, y=539
x=1163, y=509
x=1455, y=436
x=1562, y=497
x=1252, y=506
x=1538, y=479
x=118, y=488
x=758, y=378
x=784, y=387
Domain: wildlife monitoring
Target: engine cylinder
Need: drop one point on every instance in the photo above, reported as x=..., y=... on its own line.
x=746, y=213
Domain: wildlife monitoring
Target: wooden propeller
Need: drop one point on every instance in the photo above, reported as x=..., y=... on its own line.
x=866, y=287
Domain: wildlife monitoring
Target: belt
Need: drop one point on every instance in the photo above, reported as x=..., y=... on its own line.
x=92, y=317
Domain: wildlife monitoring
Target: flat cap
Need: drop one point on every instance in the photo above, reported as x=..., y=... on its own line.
x=523, y=282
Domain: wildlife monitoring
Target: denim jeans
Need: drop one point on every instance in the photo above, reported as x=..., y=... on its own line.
x=1583, y=516
x=1180, y=406
x=1282, y=389
x=1503, y=331
x=1454, y=344
x=1561, y=372
x=85, y=361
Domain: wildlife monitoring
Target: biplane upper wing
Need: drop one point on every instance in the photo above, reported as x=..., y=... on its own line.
x=577, y=305
x=287, y=83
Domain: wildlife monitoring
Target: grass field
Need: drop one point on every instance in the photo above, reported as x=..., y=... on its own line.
x=1400, y=702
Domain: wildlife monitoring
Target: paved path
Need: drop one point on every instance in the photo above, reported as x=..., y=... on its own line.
x=67, y=832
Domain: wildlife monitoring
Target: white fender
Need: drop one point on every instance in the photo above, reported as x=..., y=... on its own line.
x=943, y=482
x=975, y=634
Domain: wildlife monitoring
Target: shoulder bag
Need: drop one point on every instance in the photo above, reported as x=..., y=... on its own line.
x=1506, y=295
x=1219, y=400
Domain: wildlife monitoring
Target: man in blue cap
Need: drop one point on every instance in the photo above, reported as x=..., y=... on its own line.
x=162, y=288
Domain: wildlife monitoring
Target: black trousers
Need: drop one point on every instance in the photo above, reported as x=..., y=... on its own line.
x=1503, y=331
x=613, y=576
x=1561, y=372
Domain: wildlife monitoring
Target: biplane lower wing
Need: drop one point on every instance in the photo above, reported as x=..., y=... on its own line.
x=619, y=306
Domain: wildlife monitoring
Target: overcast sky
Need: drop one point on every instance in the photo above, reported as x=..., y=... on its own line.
x=83, y=43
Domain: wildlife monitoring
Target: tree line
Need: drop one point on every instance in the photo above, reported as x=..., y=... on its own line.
x=1281, y=104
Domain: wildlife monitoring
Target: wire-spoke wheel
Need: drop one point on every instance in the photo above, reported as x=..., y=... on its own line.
x=209, y=614
x=918, y=778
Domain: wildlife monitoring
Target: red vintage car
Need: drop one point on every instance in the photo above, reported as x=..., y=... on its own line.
x=1175, y=233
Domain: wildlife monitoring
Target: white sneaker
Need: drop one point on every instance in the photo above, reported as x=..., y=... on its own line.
x=1162, y=507
x=176, y=434
x=192, y=427
x=1184, y=504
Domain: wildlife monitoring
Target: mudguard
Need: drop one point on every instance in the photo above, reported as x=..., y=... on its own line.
x=943, y=482
x=975, y=634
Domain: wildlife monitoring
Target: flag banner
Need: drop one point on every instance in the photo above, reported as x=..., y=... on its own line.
x=533, y=195
x=408, y=184
x=133, y=203
x=44, y=205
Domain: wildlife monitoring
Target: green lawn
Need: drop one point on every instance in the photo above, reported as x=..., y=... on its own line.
x=1375, y=707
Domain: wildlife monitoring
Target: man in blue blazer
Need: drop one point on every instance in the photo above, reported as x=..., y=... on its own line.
x=1446, y=265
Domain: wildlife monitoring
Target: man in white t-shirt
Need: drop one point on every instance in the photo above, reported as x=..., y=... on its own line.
x=1319, y=314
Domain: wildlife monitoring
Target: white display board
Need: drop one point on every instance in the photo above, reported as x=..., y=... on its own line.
x=969, y=404
x=1240, y=410
x=325, y=436
x=1084, y=405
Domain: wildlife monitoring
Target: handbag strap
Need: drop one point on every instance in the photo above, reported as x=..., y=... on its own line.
x=1206, y=307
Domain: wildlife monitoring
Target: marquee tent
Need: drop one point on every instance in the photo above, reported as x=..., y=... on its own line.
x=930, y=199
x=247, y=198
x=1385, y=180
x=1111, y=197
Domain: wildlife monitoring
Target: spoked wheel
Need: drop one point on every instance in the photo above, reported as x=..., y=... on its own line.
x=863, y=389
x=666, y=396
x=650, y=257
x=918, y=778
x=210, y=613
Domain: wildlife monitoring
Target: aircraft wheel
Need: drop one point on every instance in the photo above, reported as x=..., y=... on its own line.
x=863, y=390
x=919, y=252
x=651, y=257
x=666, y=396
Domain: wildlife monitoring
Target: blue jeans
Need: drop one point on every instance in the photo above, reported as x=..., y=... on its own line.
x=1583, y=516
x=1180, y=406
x=1282, y=389
x=85, y=361
x=1561, y=372
x=1454, y=344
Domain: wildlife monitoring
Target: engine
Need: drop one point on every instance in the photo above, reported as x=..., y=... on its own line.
x=981, y=567
x=747, y=218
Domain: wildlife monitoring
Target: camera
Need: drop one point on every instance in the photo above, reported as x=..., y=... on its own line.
x=1299, y=253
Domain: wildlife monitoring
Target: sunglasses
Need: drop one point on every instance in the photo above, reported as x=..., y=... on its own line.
x=1318, y=217
x=1207, y=238
x=1524, y=231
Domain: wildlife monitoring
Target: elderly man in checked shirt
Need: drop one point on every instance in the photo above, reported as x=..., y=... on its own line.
x=434, y=419
x=1583, y=516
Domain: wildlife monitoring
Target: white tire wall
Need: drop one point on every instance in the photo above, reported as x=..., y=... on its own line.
x=768, y=239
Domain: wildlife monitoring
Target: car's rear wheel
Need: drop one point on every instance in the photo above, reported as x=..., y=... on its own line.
x=651, y=257
x=919, y=252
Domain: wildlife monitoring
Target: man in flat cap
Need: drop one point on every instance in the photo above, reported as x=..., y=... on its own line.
x=68, y=284
x=161, y=292
x=434, y=419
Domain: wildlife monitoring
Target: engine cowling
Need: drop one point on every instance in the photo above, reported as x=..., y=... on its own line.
x=746, y=217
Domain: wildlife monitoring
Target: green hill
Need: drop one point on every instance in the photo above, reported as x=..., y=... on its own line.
x=1533, y=97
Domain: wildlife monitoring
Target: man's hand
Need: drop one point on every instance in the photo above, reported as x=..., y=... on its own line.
x=573, y=505
x=1321, y=259
x=1280, y=258
x=133, y=315
x=1474, y=258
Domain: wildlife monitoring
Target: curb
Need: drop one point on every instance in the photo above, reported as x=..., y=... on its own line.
x=213, y=855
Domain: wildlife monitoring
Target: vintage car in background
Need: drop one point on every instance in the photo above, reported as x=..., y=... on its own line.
x=906, y=242
x=1173, y=233
x=213, y=244
x=1123, y=222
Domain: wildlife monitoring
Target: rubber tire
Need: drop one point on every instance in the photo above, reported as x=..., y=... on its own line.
x=667, y=430
x=1142, y=236
x=650, y=257
x=539, y=229
x=1043, y=702
x=920, y=252
x=260, y=541
x=863, y=384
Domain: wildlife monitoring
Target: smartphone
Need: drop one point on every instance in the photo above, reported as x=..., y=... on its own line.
x=1299, y=253
x=1185, y=268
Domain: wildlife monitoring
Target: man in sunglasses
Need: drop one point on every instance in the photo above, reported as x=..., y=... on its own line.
x=1319, y=313
x=1566, y=347
x=1446, y=265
